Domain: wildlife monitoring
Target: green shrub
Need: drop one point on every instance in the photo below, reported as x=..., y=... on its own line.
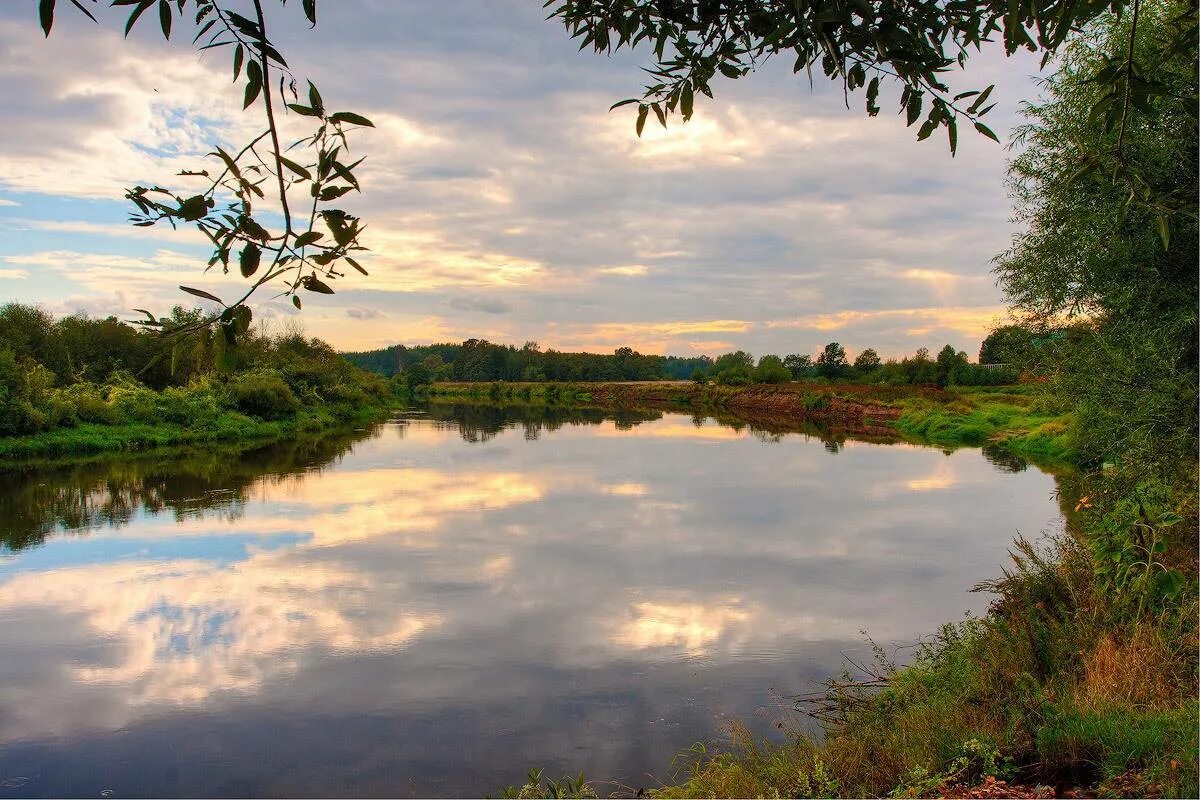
x=194, y=406
x=89, y=403
x=735, y=376
x=18, y=416
x=771, y=370
x=263, y=394
x=815, y=401
x=132, y=402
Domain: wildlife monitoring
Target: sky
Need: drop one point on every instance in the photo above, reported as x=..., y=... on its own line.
x=505, y=201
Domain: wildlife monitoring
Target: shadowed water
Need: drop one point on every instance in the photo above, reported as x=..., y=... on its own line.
x=436, y=605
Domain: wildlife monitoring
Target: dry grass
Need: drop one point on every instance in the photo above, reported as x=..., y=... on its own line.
x=1137, y=673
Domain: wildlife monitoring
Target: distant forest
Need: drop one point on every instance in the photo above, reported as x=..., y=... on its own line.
x=481, y=360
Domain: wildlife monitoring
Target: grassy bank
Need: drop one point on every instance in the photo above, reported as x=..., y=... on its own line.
x=1025, y=423
x=77, y=386
x=89, y=438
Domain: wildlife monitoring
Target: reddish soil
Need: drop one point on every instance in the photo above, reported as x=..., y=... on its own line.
x=863, y=410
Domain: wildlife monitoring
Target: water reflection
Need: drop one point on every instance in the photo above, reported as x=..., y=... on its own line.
x=463, y=593
x=38, y=500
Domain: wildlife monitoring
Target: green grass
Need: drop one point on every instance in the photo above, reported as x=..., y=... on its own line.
x=1010, y=419
x=229, y=426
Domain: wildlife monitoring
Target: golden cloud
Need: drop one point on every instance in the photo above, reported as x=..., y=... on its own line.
x=969, y=320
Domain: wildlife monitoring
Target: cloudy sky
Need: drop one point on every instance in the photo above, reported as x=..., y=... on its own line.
x=505, y=201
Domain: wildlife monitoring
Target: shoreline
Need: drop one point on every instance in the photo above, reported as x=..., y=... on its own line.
x=91, y=439
x=1006, y=417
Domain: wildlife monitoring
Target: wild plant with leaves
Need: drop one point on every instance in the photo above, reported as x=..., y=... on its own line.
x=269, y=207
x=862, y=44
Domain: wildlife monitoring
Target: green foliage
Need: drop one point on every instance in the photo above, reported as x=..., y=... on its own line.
x=815, y=401
x=831, y=363
x=481, y=360
x=1007, y=344
x=539, y=787
x=738, y=375
x=770, y=369
x=801, y=366
x=263, y=394
x=976, y=761
x=694, y=41
x=1105, y=270
x=867, y=362
x=174, y=387
x=975, y=419
x=736, y=359
x=1159, y=745
x=751, y=769
x=1128, y=540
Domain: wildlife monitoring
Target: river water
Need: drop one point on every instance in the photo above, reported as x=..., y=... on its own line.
x=433, y=606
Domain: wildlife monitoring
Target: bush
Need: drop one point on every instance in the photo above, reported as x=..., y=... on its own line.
x=194, y=406
x=132, y=402
x=735, y=376
x=89, y=403
x=263, y=394
x=18, y=416
x=771, y=370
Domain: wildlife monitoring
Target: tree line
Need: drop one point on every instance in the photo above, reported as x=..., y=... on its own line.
x=478, y=360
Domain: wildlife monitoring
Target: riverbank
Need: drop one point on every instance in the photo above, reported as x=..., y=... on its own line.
x=1015, y=418
x=1057, y=692
x=89, y=438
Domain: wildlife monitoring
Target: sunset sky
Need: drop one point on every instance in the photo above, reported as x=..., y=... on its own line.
x=505, y=201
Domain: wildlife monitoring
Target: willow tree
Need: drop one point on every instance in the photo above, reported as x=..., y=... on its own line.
x=1107, y=269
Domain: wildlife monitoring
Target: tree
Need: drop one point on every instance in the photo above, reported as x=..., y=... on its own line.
x=1008, y=344
x=738, y=358
x=1107, y=278
x=771, y=370
x=801, y=366
x=831, y=363
x=737, y=375
x=867, y=361
x=948, y=361
x=479, y=360
x=913, y=45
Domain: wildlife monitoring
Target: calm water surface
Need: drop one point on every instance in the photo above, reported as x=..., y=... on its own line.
x=434, y=606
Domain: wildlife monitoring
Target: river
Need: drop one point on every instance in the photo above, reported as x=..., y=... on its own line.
x=435, y=605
